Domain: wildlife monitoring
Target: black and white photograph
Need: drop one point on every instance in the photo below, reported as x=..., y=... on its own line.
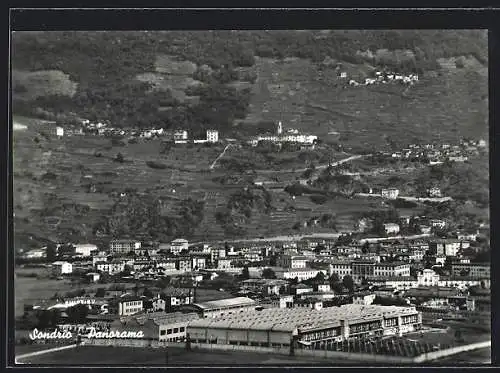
x=258, y=197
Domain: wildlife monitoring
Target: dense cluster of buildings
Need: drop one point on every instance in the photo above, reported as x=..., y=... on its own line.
x=105, y=129
x=292, y=136
x=439, y=153
x=383, y=77
x=299, y=304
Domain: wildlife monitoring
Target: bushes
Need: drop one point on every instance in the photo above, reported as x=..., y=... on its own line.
x=319, y=199
x=156, y=165
x=49, y=176
x=403, y=204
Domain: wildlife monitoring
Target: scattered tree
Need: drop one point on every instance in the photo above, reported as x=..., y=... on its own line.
x=268, y=273
x=348, y=283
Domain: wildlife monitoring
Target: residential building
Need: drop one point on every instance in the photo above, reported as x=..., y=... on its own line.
x=265, y=286
x=425, y=229
x=224, y=263
x=363, y=298
x=434, y=192
x=464, y=236
x=216, y=253
x=35, y=253
x=301, y=289
x=113, y=267
x=62, y=268
x=392, y=269
x=121, y=247
x=158, y=304
x=391, y=228
x=176, y=297
x=179, y=245
x=437, y=223
x=473, y=270
x=93, y=276
x=180, y=137
x=447, y=247
x=323, y=288
x=292, y=261
x=312, y=303
x=129, y=305
x=341, y=268
x=84, y=250
x=390, y=193
x=199, y=261
x=100, y=257
x=184, y=264
x=212, y=136
x=300, y=274
x=282, y=301
x=427, y=277
x=399, y=283
x=168, y=265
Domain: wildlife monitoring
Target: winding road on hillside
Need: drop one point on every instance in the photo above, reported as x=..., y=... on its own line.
x=220, y=156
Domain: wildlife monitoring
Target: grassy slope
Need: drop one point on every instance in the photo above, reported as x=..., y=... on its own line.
x=446, y=107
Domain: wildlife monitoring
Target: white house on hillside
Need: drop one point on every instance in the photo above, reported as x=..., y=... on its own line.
x=62, y=268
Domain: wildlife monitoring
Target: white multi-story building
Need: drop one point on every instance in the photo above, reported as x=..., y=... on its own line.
x=292, y=261
x=180, y=137
x=391, y=228
x=292, y=137
x=224, y=263
x=179, y=245
x=437, y=223
x=85, y=249
x=212, y=136
x=120, y=247
x=390, y=193
x=113, y=267
x=434, y=192
x=130, y=305
x=300, y=274
x=341, y=268
x=62, y=268
x=427, y=278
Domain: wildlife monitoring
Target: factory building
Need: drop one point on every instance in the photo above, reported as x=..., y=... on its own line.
x=277, y=327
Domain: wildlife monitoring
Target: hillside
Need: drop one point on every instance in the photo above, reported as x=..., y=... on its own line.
x=221, y=79
x=237, y=82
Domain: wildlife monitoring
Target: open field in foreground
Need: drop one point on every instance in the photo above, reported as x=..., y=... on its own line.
x=89, y=355
x=126, y=356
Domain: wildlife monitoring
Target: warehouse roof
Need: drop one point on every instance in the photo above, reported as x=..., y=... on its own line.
x=289, y=319
x=238, y=301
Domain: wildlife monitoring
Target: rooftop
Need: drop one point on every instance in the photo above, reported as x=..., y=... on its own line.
x=162, y=318
x=238, y=301
x=288, y=319
x=180, y=240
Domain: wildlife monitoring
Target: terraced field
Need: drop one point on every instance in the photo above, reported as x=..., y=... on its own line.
x=306, y=97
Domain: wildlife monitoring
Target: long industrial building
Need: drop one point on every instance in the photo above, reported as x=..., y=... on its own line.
x=275, y=327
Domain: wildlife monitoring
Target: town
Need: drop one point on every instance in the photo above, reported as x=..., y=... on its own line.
x=402, y=283
x=251, y=197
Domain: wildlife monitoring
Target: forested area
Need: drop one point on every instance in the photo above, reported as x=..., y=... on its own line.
x=142, y=215
x=106, y=64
